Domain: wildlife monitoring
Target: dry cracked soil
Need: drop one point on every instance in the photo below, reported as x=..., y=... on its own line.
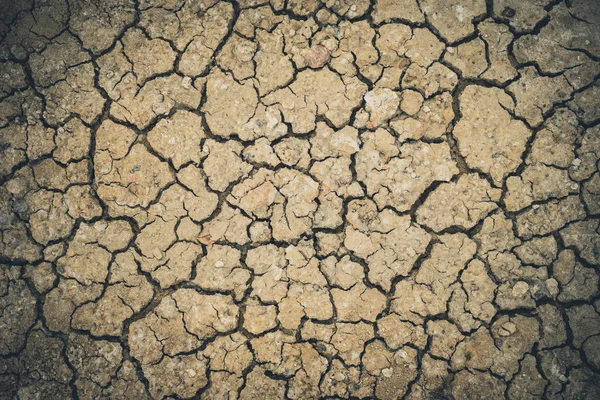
x=300, y=199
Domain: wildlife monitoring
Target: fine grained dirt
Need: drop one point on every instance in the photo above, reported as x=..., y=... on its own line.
x=269, y=199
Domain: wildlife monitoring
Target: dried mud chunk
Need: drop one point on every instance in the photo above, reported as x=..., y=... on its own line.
x=72, y=142
x=488, y=137
x=584, y=323
x=182, y=375
x=591, y=349
x=334, y=143
x=584, y=104
x=61, y=302
x=453, y=19
x=274, y=69
x=446, y=260
x=349, y=340
x=51, y=65
x=549, y=217
x=591, y=194
x=576, y=281
x=221, y=270
x=14, y=77
x=178, y=138
x=198, y=54
x=583, y=382
x=286, y=196
x=89, y=253
x=342, y=381
x=556, y=365
x=13, y=148
x=74, y=95
x=140, y=106
x=414, y=302
x=356, y=43
x=398, y=175
x=515, y=291
x=515, y=295
x=267, y=348
x=303, y=8
x=343, y=273
x=540, y=251
x=554, y=331
x=396, y=333
x=347, y=8
x=49, y=217
x=497, y=38
x=259, y=318
x=434, y=377
x=42, y=276
x=381, y=104
x=536, y=95
x=236, y=56
x=222, y=385
x=388, y=243
x=386, y=10
x=480, y=290
x=554, y=49
x=114, y=138
x=431, y=80
x=394, y=370
x=463, y=204
x=98, y=24
x=180, y=323
x=430, y=122
x=41, y=367
x=229, y=353
x=229, y=105
x=18, y=314
x=471, y=385
x=305, y=383
x=529, y=383
x=469, y=58
x=444, y=338
x=358, y=303
x=304, y=300
x=514, y=336
x=174, y=265
x=496, y=234
x=228, y=226
x=96, y=362
x=40, y=140
x=293, y=152
x=268, y=262
x=523, y=16
x=317, y=93
x=411, y=102
x=475, y=352
x=223, y=165
x=423, y=48
x=261, y=17
x=537, y=183
x=149, y=57
x=133, y=181
x=588, y=155
x=127, y=293
x=259, y=385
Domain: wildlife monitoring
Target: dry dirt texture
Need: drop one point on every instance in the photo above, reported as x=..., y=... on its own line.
x=300, y=199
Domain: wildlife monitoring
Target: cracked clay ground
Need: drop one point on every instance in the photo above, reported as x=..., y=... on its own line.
x=300, y=199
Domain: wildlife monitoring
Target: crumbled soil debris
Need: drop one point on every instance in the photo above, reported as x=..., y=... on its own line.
x=277, y=199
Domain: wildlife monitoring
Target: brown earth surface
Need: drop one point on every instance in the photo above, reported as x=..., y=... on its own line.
x=299, y=199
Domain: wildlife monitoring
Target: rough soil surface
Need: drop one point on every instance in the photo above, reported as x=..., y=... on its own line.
x=277, y=199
